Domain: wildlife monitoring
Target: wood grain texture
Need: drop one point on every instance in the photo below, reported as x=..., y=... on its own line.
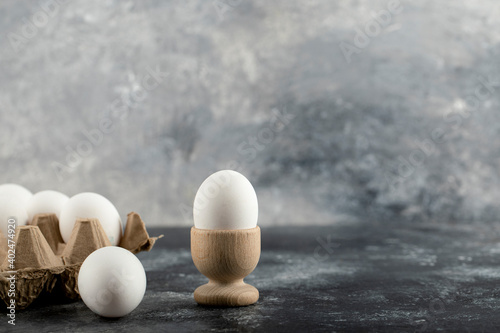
x=225, y=257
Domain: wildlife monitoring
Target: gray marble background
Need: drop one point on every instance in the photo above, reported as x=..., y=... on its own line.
x=346, y=144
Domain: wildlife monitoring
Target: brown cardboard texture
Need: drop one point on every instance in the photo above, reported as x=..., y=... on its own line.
x=43, y=264
x=49, y=226
x=136, y=238
x=3, y=246
x=86, y=237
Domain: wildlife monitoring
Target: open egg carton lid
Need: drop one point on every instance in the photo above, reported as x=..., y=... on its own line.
x=39, y=262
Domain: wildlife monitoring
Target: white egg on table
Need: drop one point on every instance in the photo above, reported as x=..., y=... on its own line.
x=91, y=205
x=11, y=208
x=226, y=200
x=46, y=202
x=22, y=194
x=112, y=281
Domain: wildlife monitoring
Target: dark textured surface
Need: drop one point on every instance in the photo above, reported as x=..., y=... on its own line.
x=348, y=277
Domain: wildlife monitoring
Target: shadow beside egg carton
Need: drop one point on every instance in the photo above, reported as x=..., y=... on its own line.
x=44, y=264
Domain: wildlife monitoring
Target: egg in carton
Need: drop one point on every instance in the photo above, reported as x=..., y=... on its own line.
x=42, y=263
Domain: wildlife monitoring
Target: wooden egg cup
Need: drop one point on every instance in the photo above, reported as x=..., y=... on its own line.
x=225, y=257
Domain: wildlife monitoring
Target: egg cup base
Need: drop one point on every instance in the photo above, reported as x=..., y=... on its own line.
x=226, y=294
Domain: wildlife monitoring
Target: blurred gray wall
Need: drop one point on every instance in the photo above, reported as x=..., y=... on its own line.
x=334, y=110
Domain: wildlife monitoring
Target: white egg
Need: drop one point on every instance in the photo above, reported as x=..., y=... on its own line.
x=46, y=202
x=225, y=201
x=11, y=208
x=22, y=194
x=91, y=205
x=112, y=281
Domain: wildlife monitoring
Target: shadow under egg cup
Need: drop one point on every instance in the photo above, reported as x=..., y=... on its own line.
x=225, y=257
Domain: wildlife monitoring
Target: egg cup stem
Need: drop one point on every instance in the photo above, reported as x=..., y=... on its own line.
x=225, y=257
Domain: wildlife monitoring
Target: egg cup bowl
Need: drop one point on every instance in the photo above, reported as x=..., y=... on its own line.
x=225, y=257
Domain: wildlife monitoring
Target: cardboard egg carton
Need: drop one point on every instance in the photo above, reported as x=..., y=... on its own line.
x=44, y=264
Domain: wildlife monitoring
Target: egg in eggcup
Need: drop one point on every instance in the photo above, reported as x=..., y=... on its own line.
x=225, y=239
